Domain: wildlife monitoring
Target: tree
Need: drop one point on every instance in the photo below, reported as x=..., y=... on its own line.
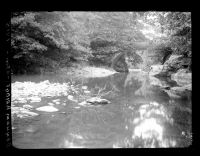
x=176, y=27
x=33, y=36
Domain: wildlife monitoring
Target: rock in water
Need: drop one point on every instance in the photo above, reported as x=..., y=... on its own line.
x=51, y=104
x=35, y=99
x=84, y=87
x=29, y=107
x=86, y=91
x=47, y=109
x=173, y=63
x=84, y=103
x=70, y=97
x=97, y=100
x=22, y=112
x=94, y=101
x=156, y=69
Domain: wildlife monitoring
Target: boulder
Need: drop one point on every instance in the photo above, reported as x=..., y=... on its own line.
x=47, y=109
x=173, y=59
x=29, y=107
x=22, y=112
x=84, y=87
x=172, y=65
x=95, y=101
x=70, y=97
x=156, y=69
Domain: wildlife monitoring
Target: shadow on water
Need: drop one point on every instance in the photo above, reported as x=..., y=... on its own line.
x=141, y=114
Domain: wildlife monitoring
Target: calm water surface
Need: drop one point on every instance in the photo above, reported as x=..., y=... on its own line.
x=141, y=114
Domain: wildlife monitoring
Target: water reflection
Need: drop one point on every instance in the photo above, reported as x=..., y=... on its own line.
x=149, y=126
x=140, y=114
x=148, y=129
x=72, y=144
x=68, y=144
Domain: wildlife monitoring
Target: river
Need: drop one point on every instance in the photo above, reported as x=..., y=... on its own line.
x=140, y=114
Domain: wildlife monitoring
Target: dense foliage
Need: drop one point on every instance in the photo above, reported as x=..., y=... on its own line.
x=49, y=40
x=176, y=27
x=29, y=42
x=180, y=25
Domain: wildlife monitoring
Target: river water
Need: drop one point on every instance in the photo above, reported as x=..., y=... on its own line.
x=141, y=114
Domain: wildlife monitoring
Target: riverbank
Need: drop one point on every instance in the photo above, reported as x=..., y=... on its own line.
x=86, y=71
x=175, y=68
